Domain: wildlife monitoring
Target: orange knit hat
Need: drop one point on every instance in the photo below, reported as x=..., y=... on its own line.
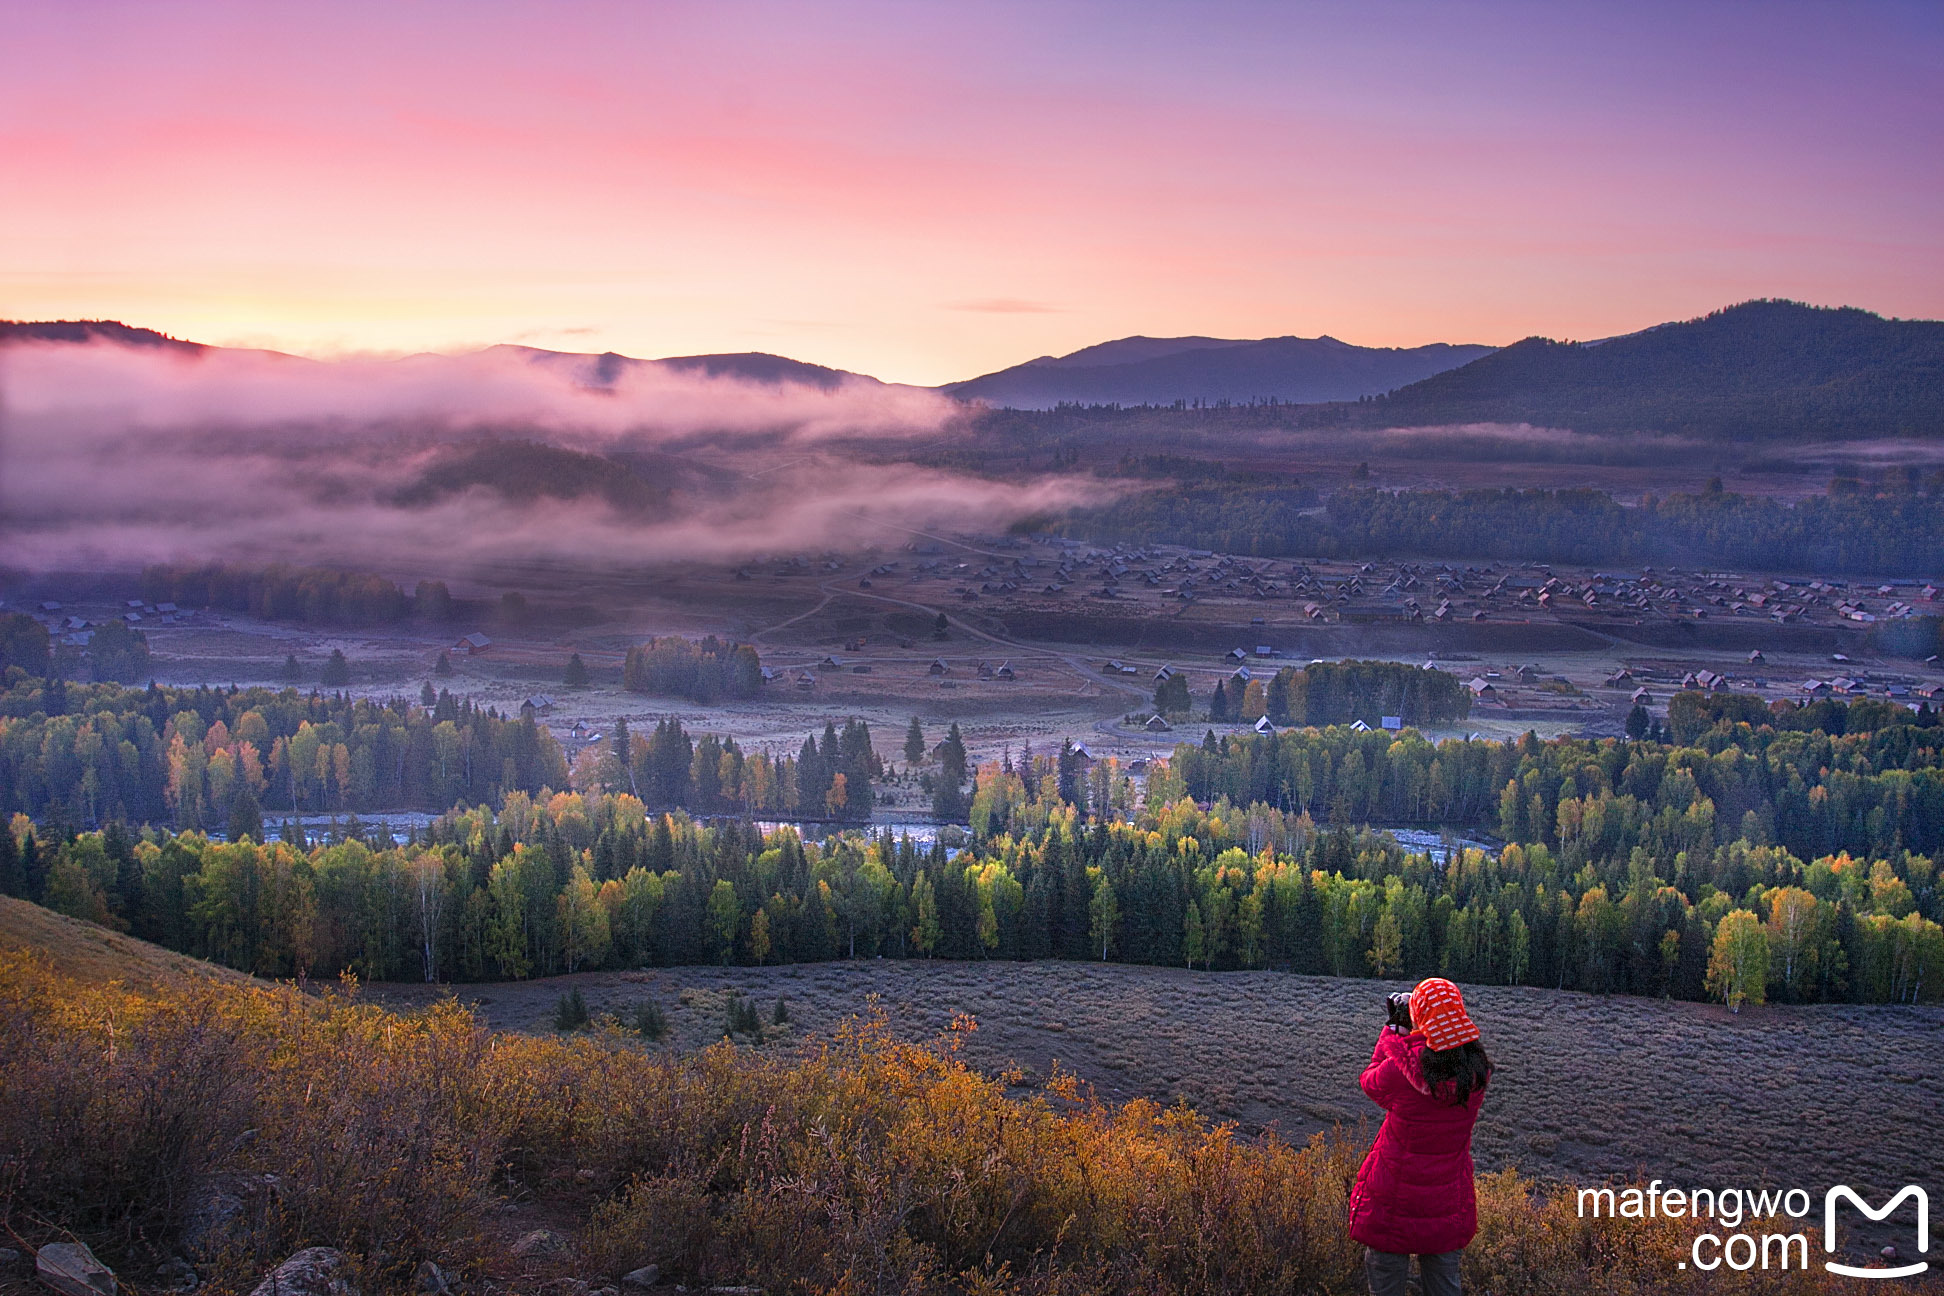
x=1438, y=1010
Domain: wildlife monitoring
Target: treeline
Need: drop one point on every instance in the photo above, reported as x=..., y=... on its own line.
x=24, y=642
x=1332, y=693
x=828, y=779
x=1223, y=516
x=1873, y=793
x=89, y=754
x=1692, y=713
x=1896, y=529
x=1891, y=529
x=115, y=651
x=1746, y=861
x=316, y=595
x=702, y=671
x=573, y=882
x=1021, y=798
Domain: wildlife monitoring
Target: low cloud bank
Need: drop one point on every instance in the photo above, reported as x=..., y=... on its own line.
x=101, y=389
x=113, y=456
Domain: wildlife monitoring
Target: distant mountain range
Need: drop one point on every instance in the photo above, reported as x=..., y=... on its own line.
x=1162, y=371
x=587, y=367
x=1760, y=370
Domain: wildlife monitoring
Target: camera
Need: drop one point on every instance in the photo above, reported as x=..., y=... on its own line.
x=1398, y=1007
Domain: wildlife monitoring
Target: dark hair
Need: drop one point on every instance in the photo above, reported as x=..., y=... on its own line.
x=1464, y=1068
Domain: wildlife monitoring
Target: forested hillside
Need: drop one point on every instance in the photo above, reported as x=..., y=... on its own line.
x=1763, y=370
x=1176, y=371
x=1894, y=529
x=90, y=331
x=524, y=471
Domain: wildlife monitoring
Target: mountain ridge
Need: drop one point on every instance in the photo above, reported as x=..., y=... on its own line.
x=91, y=331
x=1766, y=369
x=1164, y=371
x=1756, y=370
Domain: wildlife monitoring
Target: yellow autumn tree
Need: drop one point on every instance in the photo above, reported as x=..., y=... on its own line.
x=1738, y=967
x=759, y=936
x=584, y=930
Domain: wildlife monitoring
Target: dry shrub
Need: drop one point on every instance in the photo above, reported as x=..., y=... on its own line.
x=1533, y=1244
x=867, y=1165
x=374, y=1132
x=385, y=1132
x=879, y=1165
x=113, y=1107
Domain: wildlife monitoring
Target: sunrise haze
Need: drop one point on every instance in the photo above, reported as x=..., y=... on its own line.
x=927, y=193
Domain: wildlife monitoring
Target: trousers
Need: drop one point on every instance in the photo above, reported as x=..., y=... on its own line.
x=1389, y=1272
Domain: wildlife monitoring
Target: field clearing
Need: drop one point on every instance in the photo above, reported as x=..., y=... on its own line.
x=1589, y=1086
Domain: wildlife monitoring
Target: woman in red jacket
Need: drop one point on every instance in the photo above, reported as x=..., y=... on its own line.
x=1414, y=1194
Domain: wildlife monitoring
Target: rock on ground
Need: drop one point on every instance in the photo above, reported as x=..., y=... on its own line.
x=541, y=1242
x=177, y=1274
x=314, y=1271
x=223, y=1211
x=216, y=1221
x=71, y=1269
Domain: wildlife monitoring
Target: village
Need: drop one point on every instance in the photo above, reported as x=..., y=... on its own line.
x=1031, y=642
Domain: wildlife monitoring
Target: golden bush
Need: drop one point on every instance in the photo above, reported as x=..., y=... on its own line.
x=866, y=1163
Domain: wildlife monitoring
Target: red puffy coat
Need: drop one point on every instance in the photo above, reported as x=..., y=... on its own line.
x=1414, y=1191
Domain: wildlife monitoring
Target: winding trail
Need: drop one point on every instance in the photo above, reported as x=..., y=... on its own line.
x=820, y=605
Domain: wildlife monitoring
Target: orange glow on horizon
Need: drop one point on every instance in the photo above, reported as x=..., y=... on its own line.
x=926, y=195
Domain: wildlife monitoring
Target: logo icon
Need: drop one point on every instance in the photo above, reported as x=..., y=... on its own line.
x=1829, y=1229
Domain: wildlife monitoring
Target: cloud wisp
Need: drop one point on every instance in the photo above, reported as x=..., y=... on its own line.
x=1006, y=306
x=113, y=456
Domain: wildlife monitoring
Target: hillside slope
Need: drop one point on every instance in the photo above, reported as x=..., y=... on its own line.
x=96, y=955
x=1758, y=371
x=1161, y=371
x=89, y=331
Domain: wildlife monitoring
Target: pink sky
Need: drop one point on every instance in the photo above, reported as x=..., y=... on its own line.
x=929, y=191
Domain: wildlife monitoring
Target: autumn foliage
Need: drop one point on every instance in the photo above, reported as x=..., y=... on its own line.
x=863, y=1163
